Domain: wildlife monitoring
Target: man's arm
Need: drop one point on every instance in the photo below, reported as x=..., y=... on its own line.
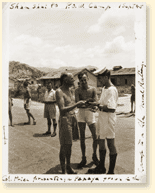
x=77, y=95
x=95, y=98
x=29, y=94
x=60, y=103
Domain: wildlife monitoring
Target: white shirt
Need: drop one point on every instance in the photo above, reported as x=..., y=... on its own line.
x=49, y=96
x=109, y=97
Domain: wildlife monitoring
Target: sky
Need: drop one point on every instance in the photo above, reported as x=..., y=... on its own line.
x=76, y=37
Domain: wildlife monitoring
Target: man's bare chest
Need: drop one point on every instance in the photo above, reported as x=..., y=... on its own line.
x=85, y=94
x=68, y=98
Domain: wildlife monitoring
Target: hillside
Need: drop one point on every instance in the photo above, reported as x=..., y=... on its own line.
x=55, y=71
x=19, y=70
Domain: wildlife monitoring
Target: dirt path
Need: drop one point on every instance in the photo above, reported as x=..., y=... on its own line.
x=32, y=153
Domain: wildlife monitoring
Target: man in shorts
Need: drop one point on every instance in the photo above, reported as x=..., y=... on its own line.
x=50, y=109
x=106, y=123
x=86, y=93
x=66, y=103
x=132, y=98
x=27, y=104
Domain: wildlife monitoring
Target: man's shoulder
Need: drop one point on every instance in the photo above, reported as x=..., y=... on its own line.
x=92, y=88
x=113, y=89
x=59, y=91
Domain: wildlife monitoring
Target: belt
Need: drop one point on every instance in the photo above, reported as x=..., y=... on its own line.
x=105, y=111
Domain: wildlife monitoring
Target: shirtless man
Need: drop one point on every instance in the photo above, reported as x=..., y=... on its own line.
x=66, y=103
x=27, y=104
x=87, y=93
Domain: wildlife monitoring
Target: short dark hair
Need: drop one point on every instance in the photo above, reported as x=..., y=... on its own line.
x=80, y=75
x=62, y=77
x=106, y=73
x=25, y=84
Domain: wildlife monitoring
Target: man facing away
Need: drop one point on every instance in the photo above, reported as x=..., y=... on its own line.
x=106, y=123
x=27, y=104
x=87, y=93
x=66, y=103
x=50, y=109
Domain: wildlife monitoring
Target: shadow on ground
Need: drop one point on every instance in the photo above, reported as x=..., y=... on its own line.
x=41, y=135
x=57, y=168
x=20, y=124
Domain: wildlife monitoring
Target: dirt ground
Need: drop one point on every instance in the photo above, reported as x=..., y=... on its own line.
x=32, y=153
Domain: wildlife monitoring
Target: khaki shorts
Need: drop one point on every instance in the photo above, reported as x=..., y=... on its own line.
x=66, y=124
x=50, y=111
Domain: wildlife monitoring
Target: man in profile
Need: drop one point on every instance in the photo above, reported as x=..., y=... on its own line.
x=66, y=103
x=86, y=93
x=106, y=124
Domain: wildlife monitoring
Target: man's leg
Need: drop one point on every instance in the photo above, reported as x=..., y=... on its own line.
x=92, y=128
x=54, y=126
x=27, y=112
x=68, y=149
x=113, y=155
x=49, y=125
x=100, y=168
x=30, y=115
x=131, y=106
x=134, y=107
x=82, y=127
x=10, y=116
x=62, y=158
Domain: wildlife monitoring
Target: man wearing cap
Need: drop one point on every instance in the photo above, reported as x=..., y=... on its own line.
x=106, y=123
x=50, y=109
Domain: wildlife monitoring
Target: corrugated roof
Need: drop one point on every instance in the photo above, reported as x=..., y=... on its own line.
x=123, y=71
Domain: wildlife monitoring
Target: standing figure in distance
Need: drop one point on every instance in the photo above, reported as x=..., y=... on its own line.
x=132, y=98
x=50, y=109
x=27, y=104
x=86, y=93
x=66, y=103
x=106, y=123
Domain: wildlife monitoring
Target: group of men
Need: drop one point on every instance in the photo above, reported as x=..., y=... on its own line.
x=85, y=99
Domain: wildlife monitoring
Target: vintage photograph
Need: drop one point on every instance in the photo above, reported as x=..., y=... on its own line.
x=75, y=74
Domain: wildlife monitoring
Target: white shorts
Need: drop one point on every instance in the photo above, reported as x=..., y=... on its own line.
x=106, y=125
x=86, y=116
